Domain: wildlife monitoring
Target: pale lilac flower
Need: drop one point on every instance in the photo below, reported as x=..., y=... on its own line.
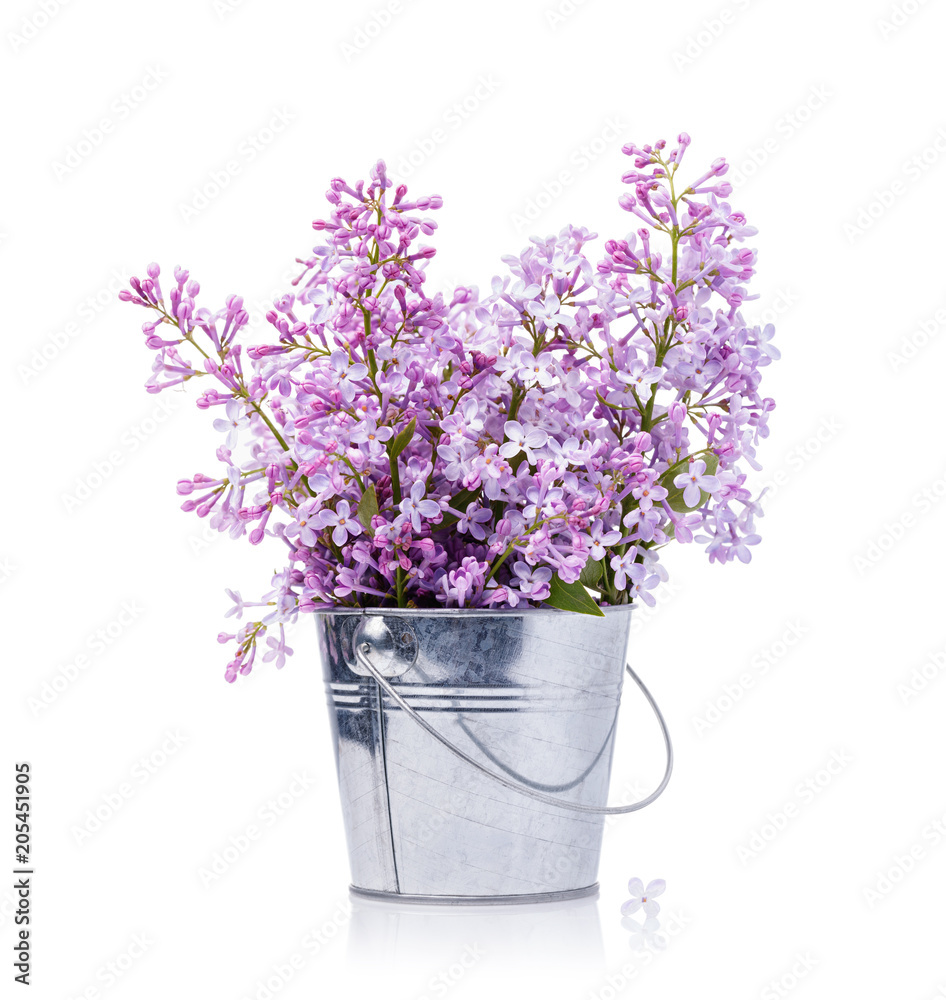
x=343, y=522
x=416, y=507
x=492, y=467
x=642, y=897
x=599, y=540
x=695, y=480
x=456, y=460
x=648, y=493
x=771, y=352
x=698, y=373
x=623, y=566
x=640, y=378
x=346, y=374
x=466, y=421
x=238, y=604
x=683, y=525
x=740, y=550
x=543, y=502
x=644, y=522
x=572, y=451
x=367, y=432
x=307, y=525
x=522, y=439
x=642, y=582
x=278, y=650
x=508, y=365
x=235, y=421
x=537, y=370
x=551, y=312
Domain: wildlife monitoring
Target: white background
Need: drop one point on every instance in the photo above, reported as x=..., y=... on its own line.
x=837, y=99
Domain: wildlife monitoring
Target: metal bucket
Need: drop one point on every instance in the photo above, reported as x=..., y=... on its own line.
x=474, y=748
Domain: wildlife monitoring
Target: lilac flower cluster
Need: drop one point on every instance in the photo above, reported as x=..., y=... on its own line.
x=533, y=445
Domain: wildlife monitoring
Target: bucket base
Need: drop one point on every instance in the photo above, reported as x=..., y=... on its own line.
x=529, y=897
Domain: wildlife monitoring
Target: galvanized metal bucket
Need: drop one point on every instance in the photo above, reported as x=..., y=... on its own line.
x=474, y=748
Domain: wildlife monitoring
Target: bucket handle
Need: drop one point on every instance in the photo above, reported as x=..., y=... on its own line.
x=361, y=651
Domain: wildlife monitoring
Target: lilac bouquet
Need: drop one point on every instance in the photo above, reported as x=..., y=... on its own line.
x=533, y=446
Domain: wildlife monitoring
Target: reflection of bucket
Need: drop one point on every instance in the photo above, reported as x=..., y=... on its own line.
x=558, y=937
x=527, y=699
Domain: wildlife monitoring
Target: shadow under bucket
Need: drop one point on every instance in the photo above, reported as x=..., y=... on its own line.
x=474, y=748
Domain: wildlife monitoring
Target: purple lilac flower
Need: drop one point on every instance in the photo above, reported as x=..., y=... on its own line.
x=472, y=522
x=368, y=433
x=529, y=425
x=532, y=583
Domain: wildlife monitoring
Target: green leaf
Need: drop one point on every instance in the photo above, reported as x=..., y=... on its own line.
x=591, y=574
x=572, y=597
x=399, y=443
x=459, y=502
x=368, y=507
x=675, y=494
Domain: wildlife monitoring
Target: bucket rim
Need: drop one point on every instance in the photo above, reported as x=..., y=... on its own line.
x=467, y=612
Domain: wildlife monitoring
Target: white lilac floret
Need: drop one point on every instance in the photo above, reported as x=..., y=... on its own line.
x=416, y=449
x=642, y=897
